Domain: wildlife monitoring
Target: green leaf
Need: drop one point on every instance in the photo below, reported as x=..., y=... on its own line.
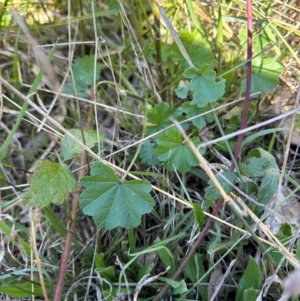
x=268, y=186
x=107, y=273
x=181, y=288
x=254, y=167
x=150, y=52
x=18, y=241
x=259, y=152
x=262, y=41
x=199, y=215
x=55, y=222
x=112, y=203
x=213, y=244
x=217, y=244
x=167, y=260
x=144, y=271
x=83, y=71
x=255, y=136
x=265, y=77
x=147, y=154
x=200, y=174
x=21, y=289
x=250, y=280
x=277, y=256
x=70, y=148
x=174, y=152
x=113, y=293
x=286, y=230
x=160, y=116
x=172, y=283
x=265, y=71
x=250, y=187
x=195, y=270
x=193, y=110
x=203, y=85
x=192, y=268
x=251, y=294
x=198, y=49
x=81, y=90
x=50, y=183
x=212, y=193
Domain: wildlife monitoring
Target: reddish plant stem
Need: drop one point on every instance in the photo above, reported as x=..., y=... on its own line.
x=236, y=153
x=73, y=215
x=66, y=253
x=193, y=250
x=248, y=81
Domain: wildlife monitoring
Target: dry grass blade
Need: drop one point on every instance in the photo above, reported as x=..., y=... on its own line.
x=174, y=35
x=39, y=53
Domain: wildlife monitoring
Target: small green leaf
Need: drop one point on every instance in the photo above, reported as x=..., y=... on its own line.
x=203, y=85
x=286, y=230
x=18, y=242
x=277, y=256
x=174, y=152
x=199, y=215
x=167, y=260
x=144, y=271
x=55, y=222
x=250, y=187
x=160, y=116
x=254, y=167
x=107, y=273
x=213, y=244
x=181, y=288
x=112, y=203
x=255, y=136
x=81, y=90
x=259, y=152
x=218, y=245
x=193, y=110
x=265, y=77
x=21, y=289
x=265, y=71
x=50, y=183
x=268, y=187
x=250, y=280
x=83, y=71
x=195, y=270
x=198, y=49
x=251, y=294
x=150, y=52
x=269, y=184
x=147, y=154
x=261, y=40
x=212, y=193
x=70, y=148
x=172, y=283
x=192, y=268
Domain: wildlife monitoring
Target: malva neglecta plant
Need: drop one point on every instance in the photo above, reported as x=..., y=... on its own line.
x=114, y=202
x=117, y=198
